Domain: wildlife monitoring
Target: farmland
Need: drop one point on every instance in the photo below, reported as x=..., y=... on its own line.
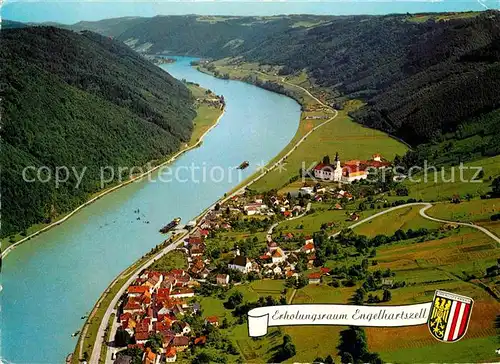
x=439, y=264
x=476, y=211
x=206, y=115
x=446, y=257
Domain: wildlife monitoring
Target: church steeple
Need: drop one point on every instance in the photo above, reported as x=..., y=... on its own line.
x=337, y=161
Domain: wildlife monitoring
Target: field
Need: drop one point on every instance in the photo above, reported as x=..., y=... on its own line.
x=252, y=350
x=314, y=341
x=476, y=211
x=342, y=135
x=466, y=211
x=394, y=344
x=312, y=222
x=251, y=292
x=404, y=218
x=206, y=116
x=439, y=264
x=421, y=18
x=444, y=262
x=436, y=188
x=463, y=250
x=172, y=260
x=425, y=267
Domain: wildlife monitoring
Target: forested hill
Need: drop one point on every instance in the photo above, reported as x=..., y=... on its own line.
x=79, y=100
x=420, y=76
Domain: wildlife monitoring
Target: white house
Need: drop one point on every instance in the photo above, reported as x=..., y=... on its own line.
x=353, y=173
x=170, y=355
x=254, y=208
x=278, y=256
x=240, y=263
x=272, y=246
x=222, y=279
x=182, y=293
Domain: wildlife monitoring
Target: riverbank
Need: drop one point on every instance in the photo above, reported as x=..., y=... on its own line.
x=207, y=118
x=118, y=287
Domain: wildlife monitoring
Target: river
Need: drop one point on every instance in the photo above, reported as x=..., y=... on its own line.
x=52, y=280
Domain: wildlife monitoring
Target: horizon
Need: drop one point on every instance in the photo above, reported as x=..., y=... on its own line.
x=70, y=12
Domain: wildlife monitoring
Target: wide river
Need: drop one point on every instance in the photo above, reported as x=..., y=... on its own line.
x=55, y=278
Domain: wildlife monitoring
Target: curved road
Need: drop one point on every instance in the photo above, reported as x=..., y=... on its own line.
x=426, y=206
x=480, y=228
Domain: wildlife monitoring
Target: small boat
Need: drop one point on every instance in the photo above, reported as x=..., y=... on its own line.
x=170, y=225
x=75, y=333
x=244, y=165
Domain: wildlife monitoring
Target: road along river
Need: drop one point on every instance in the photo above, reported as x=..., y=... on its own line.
x=52, y=280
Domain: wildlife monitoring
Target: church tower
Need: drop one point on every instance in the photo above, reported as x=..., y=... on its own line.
x=337, y=173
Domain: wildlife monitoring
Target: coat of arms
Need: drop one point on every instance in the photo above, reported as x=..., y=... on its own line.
x=449, y=316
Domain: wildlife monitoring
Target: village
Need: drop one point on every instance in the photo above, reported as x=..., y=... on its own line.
x=154, y=314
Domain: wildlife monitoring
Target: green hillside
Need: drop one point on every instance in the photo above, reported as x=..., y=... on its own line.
x=79, y=100
x=420, y=80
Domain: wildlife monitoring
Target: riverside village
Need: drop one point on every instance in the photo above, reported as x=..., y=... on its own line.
x=165, y=315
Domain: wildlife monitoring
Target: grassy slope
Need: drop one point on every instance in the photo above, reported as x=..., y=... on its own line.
x=404, y=218
x=474, y=210
x=431, y=190
x=342, y=135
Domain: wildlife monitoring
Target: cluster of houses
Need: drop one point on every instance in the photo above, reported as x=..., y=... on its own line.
x=349, y=171
x=156, y=303
x=275, y=262
x=214, y=101
x=240, y=205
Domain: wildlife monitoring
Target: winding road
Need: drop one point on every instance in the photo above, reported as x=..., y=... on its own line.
x=422, y=212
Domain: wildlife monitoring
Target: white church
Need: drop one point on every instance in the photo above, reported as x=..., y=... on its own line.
x=351, y=171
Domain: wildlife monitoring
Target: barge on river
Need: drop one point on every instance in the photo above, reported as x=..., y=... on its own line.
x=172, y=224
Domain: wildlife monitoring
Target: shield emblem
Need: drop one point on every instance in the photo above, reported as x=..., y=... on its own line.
x=449, y=316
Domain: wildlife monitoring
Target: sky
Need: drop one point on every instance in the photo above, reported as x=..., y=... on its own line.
x=70, y=11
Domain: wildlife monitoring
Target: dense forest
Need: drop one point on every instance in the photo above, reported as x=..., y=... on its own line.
x=421, y=80
x=79, y=100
